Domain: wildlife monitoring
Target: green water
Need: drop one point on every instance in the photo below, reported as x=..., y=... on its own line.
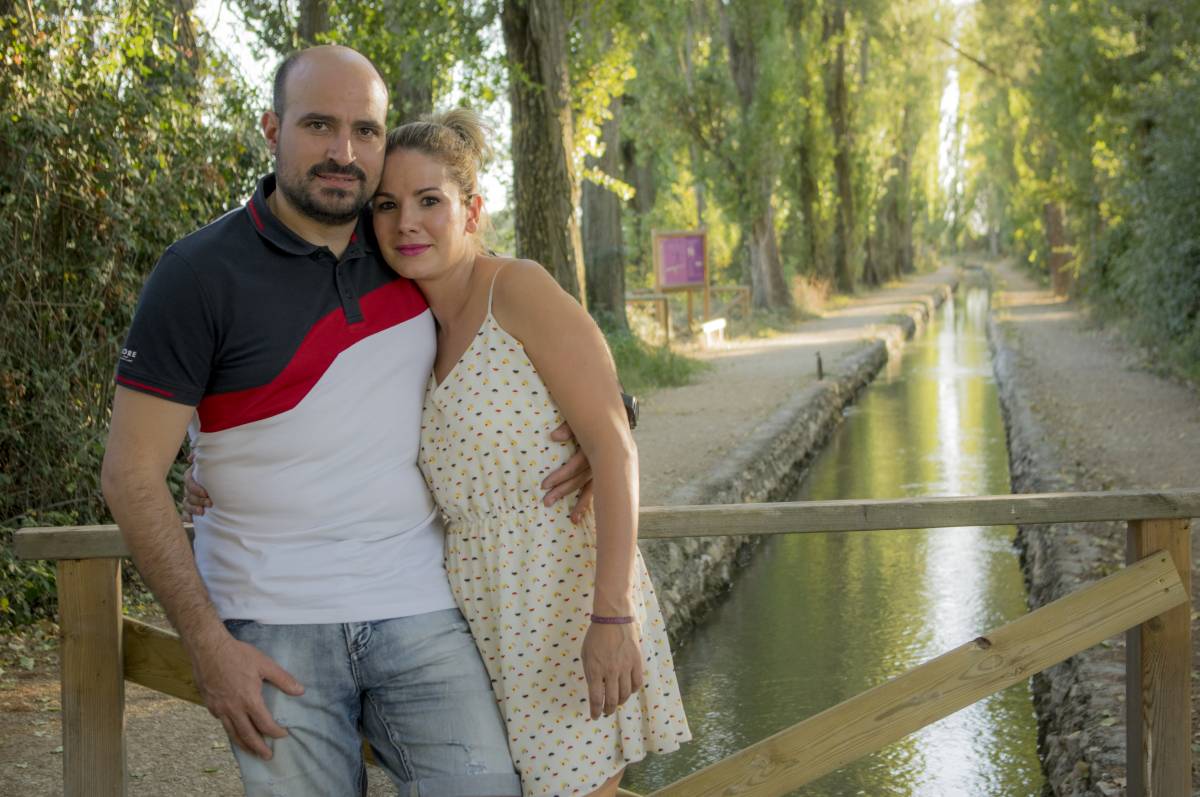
x=817, y=618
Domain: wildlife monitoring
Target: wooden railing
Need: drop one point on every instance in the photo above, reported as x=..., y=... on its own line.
x=1149, y=598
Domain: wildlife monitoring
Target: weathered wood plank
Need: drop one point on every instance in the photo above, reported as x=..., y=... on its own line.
x=870, y=721
x=73, y=542
x=1158, y=684
x=915, y=513
x=86, y=542
x=154, y=658
x=93, y=689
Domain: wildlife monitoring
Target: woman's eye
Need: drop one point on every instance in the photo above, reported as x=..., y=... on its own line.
x=384, y=206
x=429, y=201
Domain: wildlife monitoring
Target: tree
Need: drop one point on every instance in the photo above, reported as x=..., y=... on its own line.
x=837, y=106
x=114, y=147
x=748, y=30
x=603, y=243
x=545, y=186
x=416, y=44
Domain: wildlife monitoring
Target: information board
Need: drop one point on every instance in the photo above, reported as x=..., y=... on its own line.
x=680, y=260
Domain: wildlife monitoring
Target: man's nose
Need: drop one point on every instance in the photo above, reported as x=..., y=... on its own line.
x=341, y=149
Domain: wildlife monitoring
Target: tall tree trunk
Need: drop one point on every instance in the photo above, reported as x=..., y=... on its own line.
x=836, y=102
x=314, y=20
x=693, y=150
x=545, y=188
x=768, y=288
x=1058, y=239
x=603, y=245
x=640, y=175
x=808, y=200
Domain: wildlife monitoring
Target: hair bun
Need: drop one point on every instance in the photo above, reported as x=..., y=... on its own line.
x=470, y=128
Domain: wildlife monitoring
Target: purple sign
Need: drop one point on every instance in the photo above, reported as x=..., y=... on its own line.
x=681, y=260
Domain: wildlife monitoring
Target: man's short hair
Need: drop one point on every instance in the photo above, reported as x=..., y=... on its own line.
x=279, y=87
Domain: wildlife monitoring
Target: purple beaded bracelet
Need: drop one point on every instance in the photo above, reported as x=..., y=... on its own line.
x=611, y=620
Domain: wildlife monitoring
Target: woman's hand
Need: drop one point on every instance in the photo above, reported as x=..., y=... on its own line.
x=612, y=666
x=195, y=497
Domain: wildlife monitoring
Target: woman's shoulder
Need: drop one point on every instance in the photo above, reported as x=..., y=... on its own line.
x=518, y=283
x=525, y=296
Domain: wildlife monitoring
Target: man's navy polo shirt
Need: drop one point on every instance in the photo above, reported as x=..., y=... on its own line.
x=308, y=376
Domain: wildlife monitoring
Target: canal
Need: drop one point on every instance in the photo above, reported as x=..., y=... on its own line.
x=817, y=618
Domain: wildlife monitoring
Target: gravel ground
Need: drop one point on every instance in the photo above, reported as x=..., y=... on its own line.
x=1086, y=411
x=175, y=748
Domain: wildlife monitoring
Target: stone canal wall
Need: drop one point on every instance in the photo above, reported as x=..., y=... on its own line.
x=1079, y=703
x=766, y=465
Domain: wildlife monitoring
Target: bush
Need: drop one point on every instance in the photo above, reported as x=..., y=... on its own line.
x=642, y=367
x=118, y=136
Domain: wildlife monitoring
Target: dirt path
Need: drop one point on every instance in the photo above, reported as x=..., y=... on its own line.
x=685, y=429
x=1106, y=421
x=175, y=748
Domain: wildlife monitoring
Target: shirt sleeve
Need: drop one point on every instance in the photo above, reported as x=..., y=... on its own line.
x=172, y=341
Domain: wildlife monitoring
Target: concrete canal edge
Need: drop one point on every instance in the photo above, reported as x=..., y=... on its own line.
x=1079, y=703
x=691, y=575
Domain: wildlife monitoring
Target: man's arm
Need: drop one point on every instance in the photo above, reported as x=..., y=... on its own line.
x=143, y=440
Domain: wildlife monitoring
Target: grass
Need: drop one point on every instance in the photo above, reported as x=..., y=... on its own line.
x=644, y=367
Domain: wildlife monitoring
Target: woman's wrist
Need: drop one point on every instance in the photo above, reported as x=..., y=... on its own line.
x=619, y=604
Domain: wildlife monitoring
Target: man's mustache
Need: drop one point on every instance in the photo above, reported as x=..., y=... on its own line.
x=330, y=167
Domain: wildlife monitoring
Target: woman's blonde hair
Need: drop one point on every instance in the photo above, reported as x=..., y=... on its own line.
x=456, y=138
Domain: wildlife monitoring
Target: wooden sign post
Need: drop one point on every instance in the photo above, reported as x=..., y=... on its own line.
x=681, y=264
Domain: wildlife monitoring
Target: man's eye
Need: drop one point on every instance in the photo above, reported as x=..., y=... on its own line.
x=368, y=132
x=318, y=125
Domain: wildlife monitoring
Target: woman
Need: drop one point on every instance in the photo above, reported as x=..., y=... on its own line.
x=564, y=614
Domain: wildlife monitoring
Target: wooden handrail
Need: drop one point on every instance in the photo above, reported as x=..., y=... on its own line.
x=889, y=712
x=100, y=649
x=665, y=522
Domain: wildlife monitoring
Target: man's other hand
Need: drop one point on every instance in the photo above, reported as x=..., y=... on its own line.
x=230, y=676
x=573, y=475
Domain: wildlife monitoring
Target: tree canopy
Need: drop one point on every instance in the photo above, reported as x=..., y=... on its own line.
x=837, y=142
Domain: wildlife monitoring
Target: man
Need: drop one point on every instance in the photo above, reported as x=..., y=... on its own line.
x=297, y=361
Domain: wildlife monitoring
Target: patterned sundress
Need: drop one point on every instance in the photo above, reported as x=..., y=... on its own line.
x=522, y=574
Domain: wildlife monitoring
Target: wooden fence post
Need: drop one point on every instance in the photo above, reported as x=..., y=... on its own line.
x=93, y=678
x=1158, y=687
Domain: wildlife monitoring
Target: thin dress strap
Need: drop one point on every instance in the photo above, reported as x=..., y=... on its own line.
x=492, y=289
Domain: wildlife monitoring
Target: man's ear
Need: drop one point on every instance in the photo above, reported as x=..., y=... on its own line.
x=270, y=129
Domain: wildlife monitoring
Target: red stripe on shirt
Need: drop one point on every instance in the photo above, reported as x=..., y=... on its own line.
x=124, y=380
x=254, y=215
x=382, y=308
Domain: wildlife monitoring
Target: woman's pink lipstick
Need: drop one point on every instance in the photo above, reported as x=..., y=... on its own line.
x=409, y=250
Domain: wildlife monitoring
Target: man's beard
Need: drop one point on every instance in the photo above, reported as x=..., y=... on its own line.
x=318, y=205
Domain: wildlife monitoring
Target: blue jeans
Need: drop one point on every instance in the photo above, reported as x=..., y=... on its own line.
x=414, y=687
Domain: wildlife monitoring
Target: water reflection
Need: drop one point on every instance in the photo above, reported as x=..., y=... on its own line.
x=817, y=618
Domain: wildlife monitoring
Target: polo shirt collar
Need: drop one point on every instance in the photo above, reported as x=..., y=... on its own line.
x=280, y=235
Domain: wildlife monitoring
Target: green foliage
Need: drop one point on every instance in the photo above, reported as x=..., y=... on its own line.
x=1088, y=107
x=120, y=133
x=26, y=588
x=423, y=48
x=643, y=367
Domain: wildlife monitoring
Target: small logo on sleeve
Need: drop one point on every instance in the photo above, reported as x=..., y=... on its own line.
x=128, y=355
